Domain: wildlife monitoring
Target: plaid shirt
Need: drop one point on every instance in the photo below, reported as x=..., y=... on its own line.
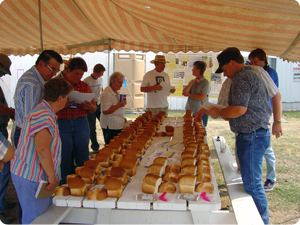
x=79, y=111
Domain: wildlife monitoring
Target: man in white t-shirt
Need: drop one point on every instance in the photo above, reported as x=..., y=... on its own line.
x=96, y=84
x=156, y=100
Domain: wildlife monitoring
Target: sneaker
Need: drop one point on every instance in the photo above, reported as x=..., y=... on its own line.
x=5, y=219
x=269, y=185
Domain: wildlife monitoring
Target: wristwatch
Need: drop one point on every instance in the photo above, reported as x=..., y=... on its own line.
x=277, y=121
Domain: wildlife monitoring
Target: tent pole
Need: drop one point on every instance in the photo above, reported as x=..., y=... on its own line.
x=40, y=20
x=108, y=70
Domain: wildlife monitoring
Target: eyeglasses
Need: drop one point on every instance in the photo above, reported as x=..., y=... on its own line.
x=53, y=69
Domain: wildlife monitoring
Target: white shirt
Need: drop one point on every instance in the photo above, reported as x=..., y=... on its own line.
x=154, y=98
x=96, y=85
x=115, y=120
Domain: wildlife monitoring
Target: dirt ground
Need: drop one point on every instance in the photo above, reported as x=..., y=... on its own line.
x=278, y=214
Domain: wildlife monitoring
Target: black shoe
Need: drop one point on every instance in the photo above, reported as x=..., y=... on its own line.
x=269, y=185
x=10, y=205
x=6, y=219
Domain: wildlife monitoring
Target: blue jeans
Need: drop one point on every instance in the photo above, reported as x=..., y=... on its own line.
x=250, y=150
x=16, y=141
x=270, y=162
x=31, y=207
x=4, y=176
x=92, y=124
x=109, y=134
x=74, y=136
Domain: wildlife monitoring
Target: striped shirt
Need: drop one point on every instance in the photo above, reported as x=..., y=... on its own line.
x=29, y=93
x=26, y=162
x=79, y=111
x=3, y=146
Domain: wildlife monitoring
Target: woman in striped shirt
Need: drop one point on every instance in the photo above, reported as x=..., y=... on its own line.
x=38, y=154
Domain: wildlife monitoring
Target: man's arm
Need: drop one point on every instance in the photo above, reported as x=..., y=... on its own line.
x=228, y=113
x=156, y=87
x=277, y=114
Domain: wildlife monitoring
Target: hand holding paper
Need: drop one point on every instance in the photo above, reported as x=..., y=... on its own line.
x=80, y=97
x=167, y=89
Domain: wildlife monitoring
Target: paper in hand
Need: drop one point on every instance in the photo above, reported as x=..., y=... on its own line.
x=80, y=97
x=166, y=88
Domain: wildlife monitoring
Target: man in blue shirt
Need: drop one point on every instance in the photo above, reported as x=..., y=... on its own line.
x=259, y=58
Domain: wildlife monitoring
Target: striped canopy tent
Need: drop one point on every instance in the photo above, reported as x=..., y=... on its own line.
x=79, y=26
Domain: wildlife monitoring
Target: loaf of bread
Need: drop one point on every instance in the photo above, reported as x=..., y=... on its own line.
x=114, y=188
x=87, y=174
x=203, y=177
x=139, y=146
x=119, y=173
x=120, y=140
x=186, y=153
x=115, y=146
x=62, y=190
x=188, y=170
x=205, y=187
x=173, y=169
x=132, y=150
x=188, y=161
x=160, y=134
x=187, y=184
x=200, y=157
x=118, y=157
x=171, y=177
x=108, y=151
x=167, y=187
x=107, y=171
x=103, y=159
x=77, y=170
x=169, y=130
x=204, y=152
x=151, y=183
x=132, y=157
x=161, y=161
x=102, y=179
x=94, y=165
x=77, y=186
x=96, y=194
x=203, y=168
x=72, y=176
x=189, y=112
x=129, y=166
x=156, y=169
x=115, y=163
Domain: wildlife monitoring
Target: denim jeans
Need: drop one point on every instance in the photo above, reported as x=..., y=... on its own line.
x=16, y=141
x=109, y=134
x=74, y=136
x=270, y=162
x=92, y=125
x=250, y=150
x=4, y=176
x=31, y=207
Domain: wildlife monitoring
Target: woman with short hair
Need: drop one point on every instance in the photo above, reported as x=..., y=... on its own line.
x=112, y=109
x=38, y=154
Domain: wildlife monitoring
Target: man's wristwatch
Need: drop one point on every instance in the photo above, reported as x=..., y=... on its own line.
x=277, y=121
